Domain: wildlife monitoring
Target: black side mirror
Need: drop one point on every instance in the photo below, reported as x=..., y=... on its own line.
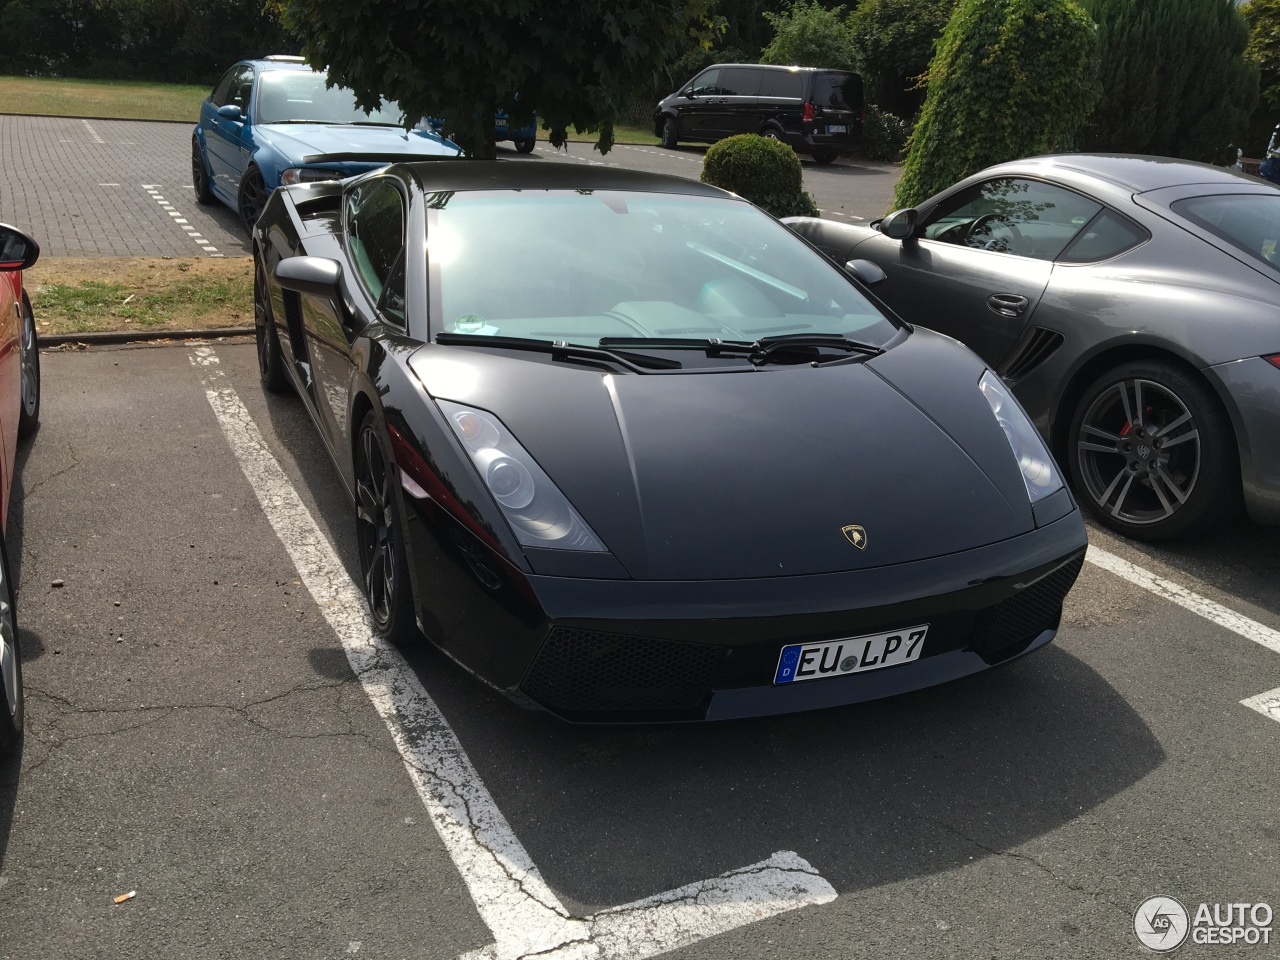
x=229, y=111
x=866, y=271
x=316, y=276
x=689, y=94
x=900, y=225
x=17, y=250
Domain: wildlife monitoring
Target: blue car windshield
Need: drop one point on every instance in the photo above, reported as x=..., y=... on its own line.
x=300, y=96
x=581, y=265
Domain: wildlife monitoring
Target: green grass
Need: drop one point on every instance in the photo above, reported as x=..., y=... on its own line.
x=95, y=305
x=109, y=99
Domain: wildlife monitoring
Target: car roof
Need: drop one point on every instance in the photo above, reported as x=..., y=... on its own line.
x=782, y=67
x=265, y=65
x=448, y=174
x=1135, y=174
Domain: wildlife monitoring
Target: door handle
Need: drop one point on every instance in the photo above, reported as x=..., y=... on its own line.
x=1008, y=304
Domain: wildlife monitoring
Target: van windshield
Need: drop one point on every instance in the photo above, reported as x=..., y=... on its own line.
x=837, y=90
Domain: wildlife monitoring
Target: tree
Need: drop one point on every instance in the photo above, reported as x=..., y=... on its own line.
x=1263, y=17
x=574, y=61
x=893, y=40
x=1011, y=78
x=1175, y=79
x=809, y=35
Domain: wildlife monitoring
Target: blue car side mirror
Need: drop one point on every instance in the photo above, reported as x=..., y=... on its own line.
x=229, y=111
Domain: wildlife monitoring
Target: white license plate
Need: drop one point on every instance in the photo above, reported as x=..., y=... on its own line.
x=837, y=128
x=835, y=658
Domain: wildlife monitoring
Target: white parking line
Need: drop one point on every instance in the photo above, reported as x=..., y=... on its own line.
x=523, y=914
x=92, y=132
x=171, y=210
x=1268, y=704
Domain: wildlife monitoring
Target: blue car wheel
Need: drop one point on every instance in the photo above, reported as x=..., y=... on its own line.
x=253, y=197
x=200, y=174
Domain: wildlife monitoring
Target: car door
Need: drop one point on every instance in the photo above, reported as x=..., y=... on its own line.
x=979, y=263
x=701, y=108
x=226, y=139
x=740, y=93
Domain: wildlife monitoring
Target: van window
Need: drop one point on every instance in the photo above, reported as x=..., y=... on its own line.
x=781, y=83
x=837, y=90
x=740, y=82
x=705, y=84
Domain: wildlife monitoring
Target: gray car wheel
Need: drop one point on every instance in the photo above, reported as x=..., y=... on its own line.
x=29, y=412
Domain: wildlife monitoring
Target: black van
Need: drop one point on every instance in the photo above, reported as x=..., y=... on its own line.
x=814, y=110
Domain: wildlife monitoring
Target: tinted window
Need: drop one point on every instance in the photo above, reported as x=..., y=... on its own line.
x=837, y=90
x=1023, y=217
x=780, y=83
x=1106, y=235
x=219, y=95
x=706, y=83
x=578, y=266
x=302, y=95
x=375, y=232
x=241, y=87
x=1249, y=222
x=392, y=305
x=740, y=82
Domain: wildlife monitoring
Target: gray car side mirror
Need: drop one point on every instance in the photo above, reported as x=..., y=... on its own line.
x=866, y=271
x=900, y=225
x=317, y=276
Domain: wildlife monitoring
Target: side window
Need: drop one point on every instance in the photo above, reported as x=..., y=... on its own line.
x=780, y=83
x=392, y=305
x=375, y=233
x=740, y=82
x=241, y=87
x=219, y=95
x=1107, y=235
x=706, y=84
x=1024, y=217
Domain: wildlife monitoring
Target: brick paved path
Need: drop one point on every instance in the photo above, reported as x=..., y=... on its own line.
x=98, y=188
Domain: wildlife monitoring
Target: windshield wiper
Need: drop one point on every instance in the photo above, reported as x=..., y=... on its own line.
x=802, y=347
x=369, y=123
x=560, y=350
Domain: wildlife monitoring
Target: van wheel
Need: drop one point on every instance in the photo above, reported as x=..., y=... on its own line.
x=670, y=133
x=824, y=155
x=770, y=133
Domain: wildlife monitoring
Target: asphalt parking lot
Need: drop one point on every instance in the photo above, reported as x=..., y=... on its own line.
x=211, y=726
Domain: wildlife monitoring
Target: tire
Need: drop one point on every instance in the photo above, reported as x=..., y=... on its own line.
x=824, y=155
x=253, y=197
x=12, y=700
x=200, y=175
x=29, y=349
x=1152, y=454
x=671, y=133
x=525, y=146
x=384, y=569
x=270, y=360
x=771, y=133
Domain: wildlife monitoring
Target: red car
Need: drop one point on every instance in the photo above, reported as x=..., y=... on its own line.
x=19, y=417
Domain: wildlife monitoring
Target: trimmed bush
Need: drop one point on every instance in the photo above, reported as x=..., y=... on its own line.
x=766, y=172
x=1011, y=78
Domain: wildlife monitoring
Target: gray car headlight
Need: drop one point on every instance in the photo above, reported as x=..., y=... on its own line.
x=539, y=514
x=1038, y=470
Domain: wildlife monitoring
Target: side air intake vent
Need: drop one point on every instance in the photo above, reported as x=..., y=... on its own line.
x=1038, y=348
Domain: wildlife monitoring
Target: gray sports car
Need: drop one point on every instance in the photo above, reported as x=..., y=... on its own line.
x=1131, y=303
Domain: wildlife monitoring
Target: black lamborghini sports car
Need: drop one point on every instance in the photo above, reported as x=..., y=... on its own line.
x=628, y=449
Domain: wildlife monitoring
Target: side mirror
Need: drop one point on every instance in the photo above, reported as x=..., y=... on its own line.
x=17, y=250
x=900, y=225
x=316, y=276
x=866, y=271
x=689, y=94
x=230, y=111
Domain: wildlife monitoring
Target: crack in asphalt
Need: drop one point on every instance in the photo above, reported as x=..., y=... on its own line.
x=27, y=491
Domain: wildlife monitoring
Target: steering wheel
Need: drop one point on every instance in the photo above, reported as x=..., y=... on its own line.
x=993, y=242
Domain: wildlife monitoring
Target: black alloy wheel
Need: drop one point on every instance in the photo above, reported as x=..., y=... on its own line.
x=29, y=412
x=253, y=197
x=270, y=362
x=12, y=701
x=383, y=567
x=670, y=133
x=1153, y=453
x=200, y=175
x=525, y=146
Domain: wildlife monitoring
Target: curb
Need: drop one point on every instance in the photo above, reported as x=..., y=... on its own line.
x=82, y=116
x=141, y=336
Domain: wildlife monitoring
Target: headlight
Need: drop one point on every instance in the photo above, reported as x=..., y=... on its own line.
x=537, y=511
x=307, y=175
x=1038, y=471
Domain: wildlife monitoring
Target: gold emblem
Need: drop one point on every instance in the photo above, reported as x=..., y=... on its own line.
x=856, y=534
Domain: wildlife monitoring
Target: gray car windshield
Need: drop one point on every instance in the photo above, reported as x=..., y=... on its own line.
x=1248, y=221
x=300, y=96
x=581, y=265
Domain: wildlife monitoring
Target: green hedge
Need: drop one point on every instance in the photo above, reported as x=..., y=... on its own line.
x=766, y=172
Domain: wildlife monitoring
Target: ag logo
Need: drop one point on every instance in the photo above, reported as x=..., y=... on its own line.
x=855, y=534
x=1161, y=923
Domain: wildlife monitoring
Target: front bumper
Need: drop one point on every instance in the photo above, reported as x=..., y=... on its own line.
x=641, y=651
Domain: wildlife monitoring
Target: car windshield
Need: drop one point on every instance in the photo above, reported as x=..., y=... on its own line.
x=1248, y=221
x=301, y=96
x=581, y=265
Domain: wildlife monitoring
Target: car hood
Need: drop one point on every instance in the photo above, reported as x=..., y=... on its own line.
x=321, y=142
x=756, y=473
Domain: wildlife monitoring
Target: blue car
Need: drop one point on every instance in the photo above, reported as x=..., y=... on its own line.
x=523, y=138
x=273, y=121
